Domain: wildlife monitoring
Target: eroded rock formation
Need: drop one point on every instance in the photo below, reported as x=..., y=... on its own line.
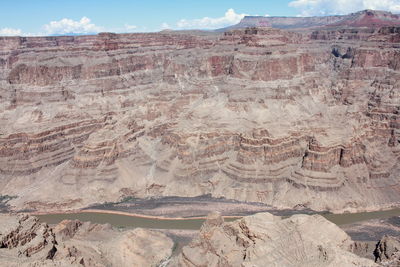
x=364, y=18
x=26, y=242
x=257, y=240
x=387, y=251
x=267, y=240
x=289, y=119
x=24, y=236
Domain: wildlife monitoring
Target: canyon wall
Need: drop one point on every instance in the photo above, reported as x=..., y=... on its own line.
x=291, y=119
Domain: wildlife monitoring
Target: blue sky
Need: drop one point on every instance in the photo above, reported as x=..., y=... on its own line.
x=51, y=17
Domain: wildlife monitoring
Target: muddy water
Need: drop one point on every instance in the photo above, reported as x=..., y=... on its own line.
x=125, y=221
x=347, y=218
x=194, y=224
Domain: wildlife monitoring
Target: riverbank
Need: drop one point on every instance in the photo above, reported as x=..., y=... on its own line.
x=364, y=228
x=125, y=219
x=189, y=212
x=137, y=215
x=190, y=207
x=183, y=207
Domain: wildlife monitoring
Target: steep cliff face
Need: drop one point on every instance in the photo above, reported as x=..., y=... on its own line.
x=265, y=240
x=257, y=240
x=364, y=18
x=24, y=241
x=25, y=237
x=259, y=114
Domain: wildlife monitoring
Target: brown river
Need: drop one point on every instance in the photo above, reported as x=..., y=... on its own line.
x=126, y=221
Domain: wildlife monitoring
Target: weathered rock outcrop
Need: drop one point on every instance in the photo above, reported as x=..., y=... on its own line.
x=288, y=119
x=267, y=240
x=100, y=245
x=364, y=18
x=26, y=238
x=26, y=242
x=258, y=240
x=387, y=251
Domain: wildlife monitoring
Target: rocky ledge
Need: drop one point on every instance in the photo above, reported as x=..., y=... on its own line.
x=24, y=241
x=267, y=240
x=258, y=240
x=387, y=251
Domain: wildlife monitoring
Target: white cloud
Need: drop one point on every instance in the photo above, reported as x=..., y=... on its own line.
x=230, y=18
x=69, y=26
x=329, y=7
x=66, y=26
x=165, y=26
x=10, y=32
x=130, y=27
x=127, y=28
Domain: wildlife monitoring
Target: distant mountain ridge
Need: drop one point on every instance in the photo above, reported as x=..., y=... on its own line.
x=364, y=18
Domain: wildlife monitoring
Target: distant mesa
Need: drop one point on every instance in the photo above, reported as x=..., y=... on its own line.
x=365, y=18
x=369, y=18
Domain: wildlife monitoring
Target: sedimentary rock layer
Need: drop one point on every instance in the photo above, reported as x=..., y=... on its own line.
x=289, y=119
x=364, y=18
x=26, y=242
x=26, y=237
x=266, y=240
x=258, y=240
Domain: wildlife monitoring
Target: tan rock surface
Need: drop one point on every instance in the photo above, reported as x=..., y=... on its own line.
x=307, y=119
x=387, y=251
x=25, y=242
x=364, y=18
x=267, y=240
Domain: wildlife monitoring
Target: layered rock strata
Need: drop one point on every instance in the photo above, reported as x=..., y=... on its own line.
x=364, y=18
x=267, y=240
x=26, y=237
x=306, y=119
x=26, y=242
x=258, y=240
